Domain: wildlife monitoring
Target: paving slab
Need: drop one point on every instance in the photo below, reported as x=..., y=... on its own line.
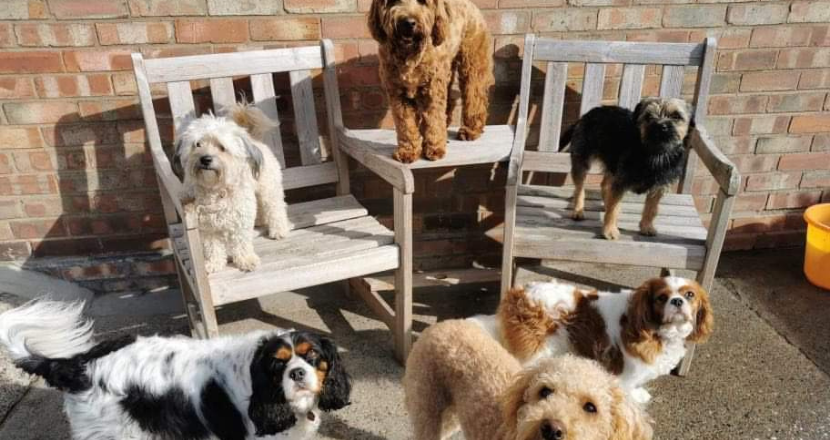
x=753, y=380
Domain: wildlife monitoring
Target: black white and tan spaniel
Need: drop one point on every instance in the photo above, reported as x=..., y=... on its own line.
x=638, y=335
x=262, y=385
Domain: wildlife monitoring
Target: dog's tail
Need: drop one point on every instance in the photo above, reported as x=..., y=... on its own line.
x=42, y=337
x=252, y=119
x=565, y=139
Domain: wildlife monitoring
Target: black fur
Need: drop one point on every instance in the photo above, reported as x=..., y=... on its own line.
x=69, y=374
x=337, y=386
x=611, y=135
x=171, y=415
x=269, y=410
x=222, y=417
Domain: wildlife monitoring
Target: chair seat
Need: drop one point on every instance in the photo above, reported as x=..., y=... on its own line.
x=544, y=229
x=494, y=145
x=333, y=239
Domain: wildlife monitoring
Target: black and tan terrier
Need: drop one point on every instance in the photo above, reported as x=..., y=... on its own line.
x=641, y=151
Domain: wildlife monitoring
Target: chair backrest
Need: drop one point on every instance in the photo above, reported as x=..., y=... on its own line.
x=634, y=57
x=220, y=70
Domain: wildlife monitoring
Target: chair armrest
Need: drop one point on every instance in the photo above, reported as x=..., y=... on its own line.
x=721, y=168
x=395, y=173
x=170, y=184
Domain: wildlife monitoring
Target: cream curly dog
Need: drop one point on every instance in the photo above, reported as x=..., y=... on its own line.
x=422, y=44
x=230, y=180
x=458, y=374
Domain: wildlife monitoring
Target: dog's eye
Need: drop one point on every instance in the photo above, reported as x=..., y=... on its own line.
x=545, y=392
x=676, y=115
x=423, y=2
x=663, y=298
x=198, y=145
x=221, y=147
x=589, y=407
x=689, y=295
x=311, y=353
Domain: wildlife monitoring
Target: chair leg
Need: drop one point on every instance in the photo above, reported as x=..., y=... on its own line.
x=666, y=272
x=507, y=272
x=403, y=276
x=686, y=363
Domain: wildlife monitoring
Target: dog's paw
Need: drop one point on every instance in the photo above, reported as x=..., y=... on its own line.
x=467, y=134
x=246, y=263
x=276, y=233
x=435, y=153
x=648, y=230
x=406, y=155
x=611, y=233
x=640, y=395
x=578, y=215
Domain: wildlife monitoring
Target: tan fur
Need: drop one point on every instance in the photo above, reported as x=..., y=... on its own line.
x=524, y=325
x=450, y=37
x=612, y=199
x=704, y=320
x=642, y=320
x=650, y=208
x=456, y=370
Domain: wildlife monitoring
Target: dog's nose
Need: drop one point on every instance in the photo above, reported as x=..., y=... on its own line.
x=407, y=25
x=206, y=160
x=677, y=302
x=553, y=430
x=664, y=127
x=297, y=374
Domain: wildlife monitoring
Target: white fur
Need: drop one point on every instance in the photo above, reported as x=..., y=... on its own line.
x=40, y=328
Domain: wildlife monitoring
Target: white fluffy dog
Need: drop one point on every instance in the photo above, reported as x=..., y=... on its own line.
x=230, y=180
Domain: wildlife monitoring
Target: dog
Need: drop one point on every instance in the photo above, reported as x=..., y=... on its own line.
x=265, y=385
x=637, y=335
x=642, y=151
x=230, y=180
x=422, y=44
x=457, y=374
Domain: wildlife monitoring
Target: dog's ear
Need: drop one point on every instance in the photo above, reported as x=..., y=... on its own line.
x=254, y=155
x=441, y=26
x=641, y=107
x=337, y=386
x=704, y=321
x=514, y=398
x=629, y=421
x=176, y=164
x=268, y=409
x=640, y=312
x=376, y=21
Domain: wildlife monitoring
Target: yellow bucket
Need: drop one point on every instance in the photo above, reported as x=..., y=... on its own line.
x=817, y=255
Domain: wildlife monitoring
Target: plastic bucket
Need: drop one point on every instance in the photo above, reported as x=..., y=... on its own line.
x=817, y=254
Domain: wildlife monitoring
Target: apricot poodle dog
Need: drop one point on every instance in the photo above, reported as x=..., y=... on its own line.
x=459, y=376
x=423, y=43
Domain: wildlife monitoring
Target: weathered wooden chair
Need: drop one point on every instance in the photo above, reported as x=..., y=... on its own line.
x=537, y=218
x=334, y=238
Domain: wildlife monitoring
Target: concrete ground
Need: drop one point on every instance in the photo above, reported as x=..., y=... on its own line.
x=765, y=374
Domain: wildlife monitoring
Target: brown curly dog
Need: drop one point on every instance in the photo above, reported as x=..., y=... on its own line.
x=459, y=376
x=422, y=44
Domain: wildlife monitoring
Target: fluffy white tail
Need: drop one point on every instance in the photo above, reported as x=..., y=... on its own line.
x=48, y=329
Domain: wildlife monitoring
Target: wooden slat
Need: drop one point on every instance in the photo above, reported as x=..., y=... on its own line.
x=349, y=263
x=701, y=103
x=514, y=170
x=334, y=116
x=558, y=215
x=593, y=250
x=402, y=206
x=716, y=237
x=631, y=87
x=593, y=194
x=301, y=177
x=722, y=169
x=324, y=211
x=553, y=102
x=233, y=64
x=618, y=52
x=181, y=102
x=592, y=86
x=319, y=239
x=302, y=96
x=393, y=172
x=592, y=228
x=222, y=93
x=375, y=302
x=596, y=205
x=671, y=82
x=262, y=86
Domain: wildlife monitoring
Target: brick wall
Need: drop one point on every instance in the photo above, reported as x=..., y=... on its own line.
x=76, y=179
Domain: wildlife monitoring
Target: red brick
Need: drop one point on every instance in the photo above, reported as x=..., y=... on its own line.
x=211, y=31
x=738, y=242
x=820, y=36
x=507, y=22
x=40, y=112
x=163, y=8
x=16, y=88
x=345, y=27
x=62, y=248
x=802, y=102
x=752, y=59
x=768, y=81
x=730, y=105
x=761, y=125
x=28, y=184
x=19, y=137
x=5, y=164
x=694, y=16
x=658, y=35
x=51, y=207
x=755, y=163
x=815, y=79
x=735, y=38
x=570, y=19
x=780, y=36
x=767, y=223
x=97, y=60
x=749, y=202
x=23, y=10
x=73, y=85
x=810, y=123
x=82, y=134
x=800, y=58
x=821, y=142
x=735, y=144
x=30, y=62
x=37, y=229
x=244, y=7
x=134, y=33
x=56, y=35
x=816, y=179
x=6, y=35
x=773, y=181
x=110, y=110
x=805, y=161
x=811, y=11
x=87, y=9
x=783, y=144
x=791, y=200
x=13, y=251
x=285, y=28
x=629, y=18
x=9, y=209
x=33, y=161
x=758, y=13
x=319, y=6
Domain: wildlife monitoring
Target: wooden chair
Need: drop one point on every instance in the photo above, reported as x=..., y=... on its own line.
x=537, y=218
x=334, y=238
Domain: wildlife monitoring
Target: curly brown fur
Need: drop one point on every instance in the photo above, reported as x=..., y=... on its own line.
x=642, y=151
x=456, y=371
x=423, y=44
